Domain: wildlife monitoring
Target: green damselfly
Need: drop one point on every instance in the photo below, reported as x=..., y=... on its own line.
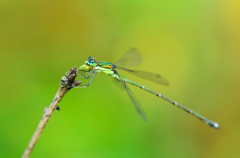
x=132, y=58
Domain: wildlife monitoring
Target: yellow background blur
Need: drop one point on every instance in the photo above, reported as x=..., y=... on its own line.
x=195, y=45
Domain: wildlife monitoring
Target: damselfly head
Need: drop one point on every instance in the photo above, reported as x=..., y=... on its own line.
x=91, y=61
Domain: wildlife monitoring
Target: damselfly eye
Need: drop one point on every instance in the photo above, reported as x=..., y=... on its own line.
x=91, y=61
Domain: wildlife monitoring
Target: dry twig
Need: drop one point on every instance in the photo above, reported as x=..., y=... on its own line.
x=67, y=82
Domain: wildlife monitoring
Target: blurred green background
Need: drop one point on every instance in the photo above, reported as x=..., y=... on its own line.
x=195, y=45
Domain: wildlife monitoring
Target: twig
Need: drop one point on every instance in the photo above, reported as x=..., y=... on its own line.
x=67, y=82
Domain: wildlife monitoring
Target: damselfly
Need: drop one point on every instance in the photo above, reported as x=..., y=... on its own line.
x=132, y=58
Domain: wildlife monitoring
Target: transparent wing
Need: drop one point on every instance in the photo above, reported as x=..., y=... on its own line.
x=131, y=58
x=134, y=100
x=146, y=75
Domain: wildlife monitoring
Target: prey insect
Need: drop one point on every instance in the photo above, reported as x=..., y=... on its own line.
x=132, y=58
